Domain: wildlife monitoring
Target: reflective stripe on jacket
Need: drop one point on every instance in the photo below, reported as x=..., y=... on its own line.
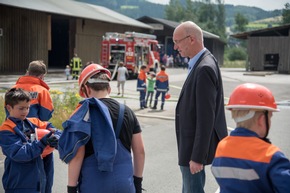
x=245, y=163
x=162, y=83
x=24, y=168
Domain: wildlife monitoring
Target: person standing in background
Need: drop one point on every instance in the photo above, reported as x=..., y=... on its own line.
x=76, y=66
x=199, y=116
x=150, y=88
x=161, y=86
x=141, y=86
x=67, y=72
x=164, y=59
x=121, y=77
x=185, y=63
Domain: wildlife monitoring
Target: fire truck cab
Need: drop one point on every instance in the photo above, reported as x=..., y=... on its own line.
x=132, y=48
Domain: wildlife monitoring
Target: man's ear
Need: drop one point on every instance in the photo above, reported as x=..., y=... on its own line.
x=192, y=39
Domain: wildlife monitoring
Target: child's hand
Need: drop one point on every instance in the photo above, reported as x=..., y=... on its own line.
x=50, y=140
x=53, y=141
x=45, y=138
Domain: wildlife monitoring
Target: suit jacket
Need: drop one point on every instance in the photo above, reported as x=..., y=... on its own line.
x=200, y=117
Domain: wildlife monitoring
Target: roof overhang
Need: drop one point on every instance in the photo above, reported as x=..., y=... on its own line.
x=272, y=31
x=76, y=9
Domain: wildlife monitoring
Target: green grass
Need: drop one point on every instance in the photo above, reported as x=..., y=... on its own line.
x=265, y=23
x=64, y=105
x=234, y=64
x=2, y=112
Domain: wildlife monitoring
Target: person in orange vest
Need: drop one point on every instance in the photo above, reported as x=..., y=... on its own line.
x=41, y=105
x=76, y=66
x=246, y=161
x=27, y=168
x=141, y=86
x=161, y=87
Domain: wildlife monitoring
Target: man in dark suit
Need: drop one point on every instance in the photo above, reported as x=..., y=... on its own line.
x=200, y=116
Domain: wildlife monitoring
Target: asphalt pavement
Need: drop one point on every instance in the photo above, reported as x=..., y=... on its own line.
x=57, y=81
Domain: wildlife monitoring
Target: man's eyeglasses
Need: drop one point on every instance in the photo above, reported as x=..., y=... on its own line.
x=178, y=41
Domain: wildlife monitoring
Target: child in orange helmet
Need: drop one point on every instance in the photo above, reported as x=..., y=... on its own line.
x=246, y=161
x=98, y=139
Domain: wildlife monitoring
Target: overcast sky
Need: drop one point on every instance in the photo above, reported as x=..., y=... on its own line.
x=263, y=4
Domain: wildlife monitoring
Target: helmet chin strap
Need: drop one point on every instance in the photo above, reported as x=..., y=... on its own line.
x=85, y=91
x=267, y=127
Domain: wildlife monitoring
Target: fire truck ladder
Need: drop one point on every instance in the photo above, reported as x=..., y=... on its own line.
x=140, y=35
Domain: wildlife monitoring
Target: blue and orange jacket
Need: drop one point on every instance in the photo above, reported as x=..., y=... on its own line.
x=41, y=105
x=245, y=163
x=24, y=168
x=141, y=81
x=162, y=82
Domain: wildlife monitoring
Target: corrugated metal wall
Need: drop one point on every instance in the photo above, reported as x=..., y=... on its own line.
x=24, y=39
x=217, y=48
x=27, y=36
x=259, y=46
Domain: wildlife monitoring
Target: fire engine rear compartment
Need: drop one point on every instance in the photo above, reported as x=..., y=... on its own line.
x=134, y=49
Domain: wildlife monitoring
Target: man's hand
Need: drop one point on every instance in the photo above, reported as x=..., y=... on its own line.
x=195, y=167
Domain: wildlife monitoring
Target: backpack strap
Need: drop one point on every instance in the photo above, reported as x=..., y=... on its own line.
x=120, y=120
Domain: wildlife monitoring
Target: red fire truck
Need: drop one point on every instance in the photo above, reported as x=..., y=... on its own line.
x=132, y=48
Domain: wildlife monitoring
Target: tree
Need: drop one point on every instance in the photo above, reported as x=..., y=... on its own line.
x=190, y=11
x=174, y=11
x=210, y=17
x=241, y=22
x=286, y=13
x=221, y=18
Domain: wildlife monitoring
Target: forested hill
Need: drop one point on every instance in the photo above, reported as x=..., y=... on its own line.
x=139, y=8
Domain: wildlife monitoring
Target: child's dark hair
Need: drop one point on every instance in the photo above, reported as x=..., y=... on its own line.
x=143, y=67
x=16, y=95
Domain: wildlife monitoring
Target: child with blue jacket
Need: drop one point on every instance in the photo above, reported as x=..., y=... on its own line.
x=141, y=86
x=25, y=171
x=246, y=160
x=161, y=86
x=102, y=141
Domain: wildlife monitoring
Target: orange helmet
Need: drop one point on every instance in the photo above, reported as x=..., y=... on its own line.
x=252, y=96
x=40, y=134
x=88, y=72
x=167, y=96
